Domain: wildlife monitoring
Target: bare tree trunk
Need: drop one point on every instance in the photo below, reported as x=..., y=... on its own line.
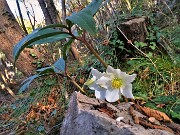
x=49, y=10
x=21, y=17
x=53, y=11
x=63, y=10
x=47, y=16
x=28, y=14
x=10, y=34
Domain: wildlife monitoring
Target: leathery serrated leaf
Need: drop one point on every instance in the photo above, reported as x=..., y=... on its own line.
x=55, y=26
x=27, y=82
x=59, y=65
x=94, y=6
x=85, y=20
x=17, y=47
x=49, y=38
x=38, y=36
x=45, y=70
x=90, y=10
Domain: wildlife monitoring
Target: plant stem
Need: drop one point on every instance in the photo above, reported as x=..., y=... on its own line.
x=89, y=46
x=95, y=53
x=77, y=85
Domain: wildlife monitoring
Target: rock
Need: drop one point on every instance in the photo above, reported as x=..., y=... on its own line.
x=87, y=116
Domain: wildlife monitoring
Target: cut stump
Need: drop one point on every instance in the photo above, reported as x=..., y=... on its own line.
x=135, y=29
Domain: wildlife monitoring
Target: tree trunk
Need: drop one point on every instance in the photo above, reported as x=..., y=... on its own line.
x=10, y=34
x=63, y=10
x=21, y=17
x=49, y=10
x=47, y=16
x=53, y=11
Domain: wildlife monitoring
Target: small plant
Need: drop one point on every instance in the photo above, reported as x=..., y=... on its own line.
x=86, y=23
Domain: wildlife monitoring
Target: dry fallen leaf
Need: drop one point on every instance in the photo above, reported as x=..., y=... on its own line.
x=154, y=121
x=156, y=114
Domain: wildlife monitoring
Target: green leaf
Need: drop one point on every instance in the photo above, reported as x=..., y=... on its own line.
x=164, y=99
x=59, y=65
x=151, y=105
x=55, y=26
x=48, y=38
x=85, y=20
x=27, y=82
x=38, y=36
x=175, y=114
x=152, y=45
x=140, y=44
x=17, y=47
x=45, y=70
x=150, y=54
x=94, y=6
x=66, y=48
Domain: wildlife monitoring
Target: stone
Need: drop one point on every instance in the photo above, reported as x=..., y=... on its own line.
x=85, y=116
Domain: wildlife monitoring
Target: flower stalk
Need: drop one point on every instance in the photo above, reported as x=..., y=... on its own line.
x=95, y=53
x=89, y=46
x=77, y=85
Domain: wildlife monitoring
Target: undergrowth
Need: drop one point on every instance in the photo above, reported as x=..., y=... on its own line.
x=157, y=85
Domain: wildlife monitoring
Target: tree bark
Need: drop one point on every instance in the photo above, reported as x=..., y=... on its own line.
x=49, y=10
x=21, y=17
x=10, y=34
x=53, y=11
x=47, y=16
x=63, y=10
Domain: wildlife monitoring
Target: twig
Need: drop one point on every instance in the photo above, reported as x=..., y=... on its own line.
x=77, y=85
x=128, y=41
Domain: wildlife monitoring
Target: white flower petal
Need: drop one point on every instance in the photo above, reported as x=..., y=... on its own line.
x=112, y=95
x=127, y=91
x=113, y=72
x=93, y=86
x=103, y=81
x=96, y=73
x=129, y=78
x=117, y=72
x=100, y=93
x=122, y=75
x=110, y=69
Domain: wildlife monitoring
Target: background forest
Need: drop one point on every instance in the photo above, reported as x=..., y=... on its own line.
x=136, y=36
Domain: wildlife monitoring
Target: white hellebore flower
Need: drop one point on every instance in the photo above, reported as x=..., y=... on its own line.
x=100, y=92
x=116, y=83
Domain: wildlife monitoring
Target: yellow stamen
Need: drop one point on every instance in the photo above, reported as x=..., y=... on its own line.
x=117, y=83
